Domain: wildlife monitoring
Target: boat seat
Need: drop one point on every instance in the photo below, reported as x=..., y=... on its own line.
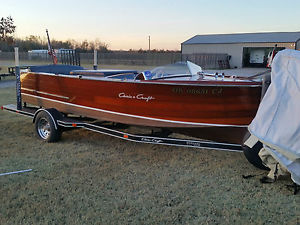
x=145, y=75
x=140, y=76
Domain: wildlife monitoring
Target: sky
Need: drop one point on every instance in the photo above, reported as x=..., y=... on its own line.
x=127, y=24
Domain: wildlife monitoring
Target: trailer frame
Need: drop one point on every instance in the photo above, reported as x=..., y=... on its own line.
x=63, y=122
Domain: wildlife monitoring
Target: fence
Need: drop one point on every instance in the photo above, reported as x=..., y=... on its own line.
x=206, y=61
x=132, y=58
x=24, y=56
x=209, y=61
x=110, y=58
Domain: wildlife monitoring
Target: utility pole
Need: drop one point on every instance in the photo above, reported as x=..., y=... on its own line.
x=95, y=60
x=149, y=42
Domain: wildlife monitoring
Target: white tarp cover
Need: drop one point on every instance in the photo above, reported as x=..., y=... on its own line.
x=277, y=122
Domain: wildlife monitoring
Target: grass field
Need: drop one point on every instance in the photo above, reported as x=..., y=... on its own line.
x=89, y=178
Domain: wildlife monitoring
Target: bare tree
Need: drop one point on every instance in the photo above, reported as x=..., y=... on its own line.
x=7, y=28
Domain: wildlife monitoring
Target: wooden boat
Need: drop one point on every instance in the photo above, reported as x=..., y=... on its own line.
x=179, y=96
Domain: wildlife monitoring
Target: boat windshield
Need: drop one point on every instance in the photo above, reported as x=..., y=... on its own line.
x=178, y=68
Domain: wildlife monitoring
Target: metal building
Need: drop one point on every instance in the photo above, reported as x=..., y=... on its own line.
x=236, y=50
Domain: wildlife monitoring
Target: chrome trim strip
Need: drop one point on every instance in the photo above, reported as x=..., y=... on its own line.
x=45, y=93
x=136, y=116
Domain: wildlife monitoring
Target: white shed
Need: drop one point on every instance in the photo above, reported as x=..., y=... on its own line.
x=240, y=49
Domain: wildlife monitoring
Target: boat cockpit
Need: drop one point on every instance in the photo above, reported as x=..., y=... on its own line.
x=179, y=71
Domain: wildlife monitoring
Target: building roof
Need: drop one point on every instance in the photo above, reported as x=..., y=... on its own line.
x=273, y=37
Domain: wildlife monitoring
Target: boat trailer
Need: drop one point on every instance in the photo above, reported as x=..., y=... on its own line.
x=50, y=120
x=50, y=123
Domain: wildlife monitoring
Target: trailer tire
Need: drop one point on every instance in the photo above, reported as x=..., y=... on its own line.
x=251, y=154
x=46, y=129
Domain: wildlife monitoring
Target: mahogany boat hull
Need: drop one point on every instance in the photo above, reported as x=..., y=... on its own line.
x=148, y=103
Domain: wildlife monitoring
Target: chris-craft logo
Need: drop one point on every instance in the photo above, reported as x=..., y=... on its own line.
x=138, y=97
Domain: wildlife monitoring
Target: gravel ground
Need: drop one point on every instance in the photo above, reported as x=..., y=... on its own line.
x=7, y=83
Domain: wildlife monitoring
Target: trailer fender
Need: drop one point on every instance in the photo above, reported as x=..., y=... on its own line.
x=53, y=113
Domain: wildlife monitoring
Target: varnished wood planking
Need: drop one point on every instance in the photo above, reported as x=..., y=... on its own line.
x=200, y=104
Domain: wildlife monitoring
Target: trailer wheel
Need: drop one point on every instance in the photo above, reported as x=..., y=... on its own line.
x=251, y=154
x=45, y=127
